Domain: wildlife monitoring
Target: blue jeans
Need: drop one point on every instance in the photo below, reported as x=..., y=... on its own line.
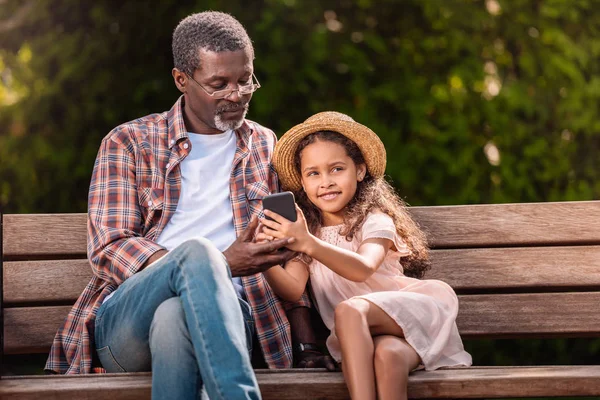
x=181, y=318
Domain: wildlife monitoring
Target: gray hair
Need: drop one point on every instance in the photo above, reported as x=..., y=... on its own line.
x=209, y=30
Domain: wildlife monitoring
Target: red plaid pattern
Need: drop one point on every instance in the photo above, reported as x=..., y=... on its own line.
x=133, y=194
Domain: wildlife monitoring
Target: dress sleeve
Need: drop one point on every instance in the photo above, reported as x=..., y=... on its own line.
x=381, y=226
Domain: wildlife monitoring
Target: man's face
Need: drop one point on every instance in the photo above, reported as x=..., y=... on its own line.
x=218, y=71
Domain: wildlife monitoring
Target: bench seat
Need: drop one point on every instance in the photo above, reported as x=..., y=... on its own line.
x=520, y=271
x=468, y=383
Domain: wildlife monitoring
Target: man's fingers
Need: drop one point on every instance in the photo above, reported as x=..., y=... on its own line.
x=281, y=257
x=265, y=262
x=318, y=361
x=248, y=233
x=330, y=364
x=287, y=254
x=272, y=246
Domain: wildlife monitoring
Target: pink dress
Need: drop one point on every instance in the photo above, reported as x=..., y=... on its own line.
x=424, y=309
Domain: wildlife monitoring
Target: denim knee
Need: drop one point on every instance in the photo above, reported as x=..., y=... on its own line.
x=168, y=329
x=200, y=248
x=200, y=253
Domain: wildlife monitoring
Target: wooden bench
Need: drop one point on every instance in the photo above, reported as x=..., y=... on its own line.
x=521, y=271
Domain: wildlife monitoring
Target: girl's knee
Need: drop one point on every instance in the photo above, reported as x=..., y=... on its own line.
x=393, y=353
x=351, y=310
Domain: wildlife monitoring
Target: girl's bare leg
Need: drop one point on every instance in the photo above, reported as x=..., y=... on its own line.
x=356, y=322
x=394, y=359
x=352, y=329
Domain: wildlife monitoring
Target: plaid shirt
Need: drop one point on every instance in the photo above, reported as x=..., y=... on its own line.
x=135, y=187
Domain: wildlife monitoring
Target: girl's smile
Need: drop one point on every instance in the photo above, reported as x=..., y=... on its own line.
x=329, y=178
x=329, y=195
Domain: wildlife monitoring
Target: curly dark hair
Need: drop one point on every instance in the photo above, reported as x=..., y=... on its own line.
x=209, y=30
x=371, y=194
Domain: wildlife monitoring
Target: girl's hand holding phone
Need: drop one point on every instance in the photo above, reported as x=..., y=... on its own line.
x=281, y=227
x=262, y=237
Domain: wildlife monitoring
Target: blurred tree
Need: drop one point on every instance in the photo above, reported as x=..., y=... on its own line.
x=477, y=101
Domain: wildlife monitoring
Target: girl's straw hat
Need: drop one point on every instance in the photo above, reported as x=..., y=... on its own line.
x=368, y=142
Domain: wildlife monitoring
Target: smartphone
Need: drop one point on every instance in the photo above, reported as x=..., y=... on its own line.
x=281, y=203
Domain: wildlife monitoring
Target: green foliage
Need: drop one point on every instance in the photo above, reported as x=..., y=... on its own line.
x=477, y=101
x=443, y=82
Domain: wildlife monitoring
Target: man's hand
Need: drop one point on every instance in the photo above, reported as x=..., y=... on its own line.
x=247, y=258
x=313, y=359
x=302, y=332
x=155, y=257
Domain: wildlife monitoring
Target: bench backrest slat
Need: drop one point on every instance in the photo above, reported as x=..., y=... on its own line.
x=31, y=329
x=508, y=315
x=495, y=225
x=466, y=270
x=529, y=314
x=52, y=281
x=520, y=269
x=51, y=235
x=503, y=225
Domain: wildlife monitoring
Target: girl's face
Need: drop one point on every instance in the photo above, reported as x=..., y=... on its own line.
x=329, y=178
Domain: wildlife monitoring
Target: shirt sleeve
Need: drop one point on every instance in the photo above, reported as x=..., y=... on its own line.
x=381, y=226
x=116, y=247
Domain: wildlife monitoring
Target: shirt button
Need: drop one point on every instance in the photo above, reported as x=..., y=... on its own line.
x=168, y=166
x=172, y=142
x=150, y=203
x=185, y=145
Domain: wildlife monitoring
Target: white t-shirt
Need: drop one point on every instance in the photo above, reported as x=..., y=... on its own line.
x=204, y=207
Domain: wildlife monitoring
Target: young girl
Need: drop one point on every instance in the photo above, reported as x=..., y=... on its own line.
x=359, y=246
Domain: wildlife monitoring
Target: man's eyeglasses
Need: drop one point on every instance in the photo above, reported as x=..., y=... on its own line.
x=242, y=90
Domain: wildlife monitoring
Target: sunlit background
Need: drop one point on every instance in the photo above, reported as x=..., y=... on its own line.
x=477, y=101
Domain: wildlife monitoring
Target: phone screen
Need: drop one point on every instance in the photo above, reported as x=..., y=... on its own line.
x=281, y=203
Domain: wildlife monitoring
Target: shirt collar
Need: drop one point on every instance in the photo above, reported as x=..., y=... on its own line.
x=177, y=130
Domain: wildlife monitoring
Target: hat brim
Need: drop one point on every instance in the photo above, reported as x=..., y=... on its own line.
x=368, y=142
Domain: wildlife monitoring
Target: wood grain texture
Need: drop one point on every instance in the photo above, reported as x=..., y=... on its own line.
x=524, y=224
x=45, y=281
x=31, y=329
x=548, y=268
x=541, y=268
x=488, y=225
x=529, y=315
x=481, y=247
x=468, y=383
x=44, y=234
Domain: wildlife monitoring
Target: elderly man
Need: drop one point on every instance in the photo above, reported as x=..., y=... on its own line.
x=171, y=218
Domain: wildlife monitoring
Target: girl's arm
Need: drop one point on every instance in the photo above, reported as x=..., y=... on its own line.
x=356, y=267
x=289, y=282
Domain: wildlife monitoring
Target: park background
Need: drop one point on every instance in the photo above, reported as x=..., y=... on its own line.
x=476, y=101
